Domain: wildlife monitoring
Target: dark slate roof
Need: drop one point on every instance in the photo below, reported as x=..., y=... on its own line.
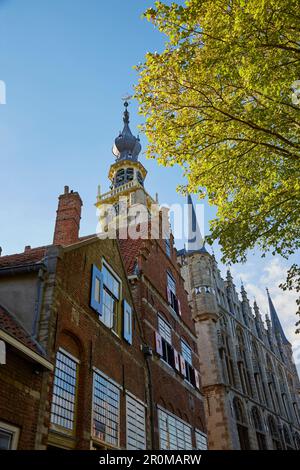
x=12, y=327
x=276, y=322
x=184, y=252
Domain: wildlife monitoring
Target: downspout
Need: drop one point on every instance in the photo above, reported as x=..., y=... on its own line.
x=38, y=304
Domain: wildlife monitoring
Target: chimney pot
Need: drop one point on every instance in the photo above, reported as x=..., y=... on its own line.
x=27, y=248
x=68, y=218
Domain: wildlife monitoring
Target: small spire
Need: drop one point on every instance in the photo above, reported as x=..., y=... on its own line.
x=278, y=330
x=195, y=241
x=126, y=113
x=229, y=276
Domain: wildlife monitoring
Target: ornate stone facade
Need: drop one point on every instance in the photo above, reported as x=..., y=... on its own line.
x=249, y=378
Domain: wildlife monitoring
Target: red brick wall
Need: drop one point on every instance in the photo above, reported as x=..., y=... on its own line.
x=81, y=333
x=169, y=389
x=20, y=388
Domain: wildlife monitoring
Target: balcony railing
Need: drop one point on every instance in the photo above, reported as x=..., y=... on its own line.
x=119, y=189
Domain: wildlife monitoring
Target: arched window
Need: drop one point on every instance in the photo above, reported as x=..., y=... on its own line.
x=297, y=440
x=241, y=424
x=271, y=384
x=244, y=372
x=259, y=429
x=287, y=438
x=259, y=383
x=225, y=354
x=274, y=432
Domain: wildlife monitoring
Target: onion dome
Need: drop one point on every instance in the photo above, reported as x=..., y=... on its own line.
x=126, y=146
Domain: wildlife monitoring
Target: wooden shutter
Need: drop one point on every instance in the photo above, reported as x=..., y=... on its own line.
x=127, y=322
x=176, y=359
x=97, y=290
x=197, y=380
x=182, y=365
x=178, y=305
x=169, y=297
x=158, y=343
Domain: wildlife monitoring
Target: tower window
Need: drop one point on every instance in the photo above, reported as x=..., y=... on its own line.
x=129, y=174
x=168, y=247
x=140, y=178
x=120, y=177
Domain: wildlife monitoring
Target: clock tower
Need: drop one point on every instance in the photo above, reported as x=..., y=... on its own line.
x=127, y=176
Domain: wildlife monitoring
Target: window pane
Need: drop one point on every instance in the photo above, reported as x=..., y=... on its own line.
x=174, y=433
x=105, y=410
x=164, y=330
x=5, y=439
x=171, y=283
x=168, y=247
x=111, y=282
x=186, y=352
x=136, y=432
x=64, y=390
x=201, y=440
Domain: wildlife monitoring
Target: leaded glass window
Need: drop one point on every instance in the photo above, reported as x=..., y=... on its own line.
x=174, y=433
x=106, y=410
x=64, y=391
x=136, y=425
x=201, y=440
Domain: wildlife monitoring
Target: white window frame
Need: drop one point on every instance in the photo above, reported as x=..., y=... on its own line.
x=14, y=431
x=118, y=300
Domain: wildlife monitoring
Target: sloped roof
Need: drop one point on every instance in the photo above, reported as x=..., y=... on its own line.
x=276, y=322
x=12, y=327
x=129, y=250
x=32, y=255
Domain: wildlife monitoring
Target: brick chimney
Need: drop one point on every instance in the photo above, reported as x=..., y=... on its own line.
x=68, y=218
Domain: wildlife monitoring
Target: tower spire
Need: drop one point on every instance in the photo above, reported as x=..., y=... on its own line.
x=195, y=240
x=126, y=145
x=277, y=328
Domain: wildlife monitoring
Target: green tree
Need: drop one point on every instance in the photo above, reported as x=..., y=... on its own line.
x=218, y=101
x=221, y=101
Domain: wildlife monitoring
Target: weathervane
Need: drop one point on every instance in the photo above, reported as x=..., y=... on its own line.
x=126, y=98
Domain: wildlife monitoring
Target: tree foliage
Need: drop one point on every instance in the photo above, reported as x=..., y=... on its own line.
x=293, y=283
x=219, y=101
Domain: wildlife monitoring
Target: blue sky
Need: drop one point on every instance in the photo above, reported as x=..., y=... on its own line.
x=66, y=65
